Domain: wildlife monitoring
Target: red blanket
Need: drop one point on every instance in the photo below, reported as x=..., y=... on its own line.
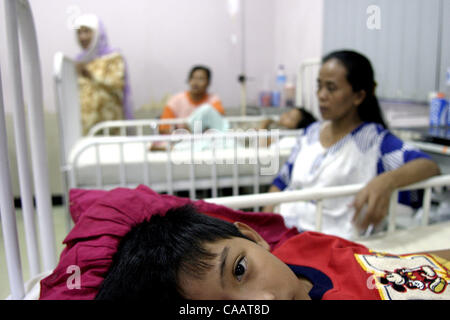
x=102, y=218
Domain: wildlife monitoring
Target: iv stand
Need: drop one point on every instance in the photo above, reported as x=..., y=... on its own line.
x=242, y=80
x=242, y=77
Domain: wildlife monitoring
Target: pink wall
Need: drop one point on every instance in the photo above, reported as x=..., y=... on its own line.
x=298, y=32
x=162, y=39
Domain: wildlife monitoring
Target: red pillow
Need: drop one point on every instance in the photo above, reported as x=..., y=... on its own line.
x=102, y=218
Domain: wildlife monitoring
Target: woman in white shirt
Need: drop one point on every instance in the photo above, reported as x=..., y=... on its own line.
x=351, y=145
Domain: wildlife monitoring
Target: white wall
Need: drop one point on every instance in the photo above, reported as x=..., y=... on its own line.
x=162, y=39
x=259, y=44
x=444, y=62
x=403, y=46
x=298, y=32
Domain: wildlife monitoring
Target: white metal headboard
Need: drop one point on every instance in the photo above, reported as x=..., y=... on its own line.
x=307, y=84
x=67, y=102
x=21, y=42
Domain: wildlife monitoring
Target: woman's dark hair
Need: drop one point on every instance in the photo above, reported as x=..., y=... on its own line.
x=307, y=118
x=151, y=256
x=360, y=75
x=199, y=67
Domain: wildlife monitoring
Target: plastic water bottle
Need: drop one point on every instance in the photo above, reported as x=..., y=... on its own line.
x=277, y=95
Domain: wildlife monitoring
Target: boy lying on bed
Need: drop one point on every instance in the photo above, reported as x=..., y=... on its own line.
x=187, y=255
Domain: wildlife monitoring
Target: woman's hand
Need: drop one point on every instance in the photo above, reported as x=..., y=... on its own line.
x=271, y=207
x=376, y=195
x=82, y=71
x=265, y=124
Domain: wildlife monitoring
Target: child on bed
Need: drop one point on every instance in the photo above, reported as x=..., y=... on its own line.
x=187, y=255
x=294, y=118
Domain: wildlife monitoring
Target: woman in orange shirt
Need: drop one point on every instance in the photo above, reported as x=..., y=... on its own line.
x=184, y=103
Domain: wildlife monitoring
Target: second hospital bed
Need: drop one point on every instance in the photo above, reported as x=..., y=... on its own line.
x=234, y=159
x=41, y=253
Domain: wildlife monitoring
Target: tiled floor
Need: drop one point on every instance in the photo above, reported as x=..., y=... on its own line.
x=59, y=221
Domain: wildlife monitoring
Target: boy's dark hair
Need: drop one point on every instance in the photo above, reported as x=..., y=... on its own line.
x=151, y=256
x=307, y=118
x=361, y=76
x=203, y=68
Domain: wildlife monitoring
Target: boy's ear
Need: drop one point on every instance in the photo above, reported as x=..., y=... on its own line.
x=251, y=233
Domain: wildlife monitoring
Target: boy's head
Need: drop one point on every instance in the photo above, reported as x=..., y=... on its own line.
x=188, y=255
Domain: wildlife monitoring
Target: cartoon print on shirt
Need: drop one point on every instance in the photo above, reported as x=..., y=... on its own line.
x=406, y=277
x=421, y=278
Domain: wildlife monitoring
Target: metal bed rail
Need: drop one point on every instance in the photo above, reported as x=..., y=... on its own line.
x=319, y=194
x=104, y=128
x=21, y=43
x=252, y=140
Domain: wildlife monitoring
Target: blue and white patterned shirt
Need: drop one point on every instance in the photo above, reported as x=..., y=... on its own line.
x=366, y=152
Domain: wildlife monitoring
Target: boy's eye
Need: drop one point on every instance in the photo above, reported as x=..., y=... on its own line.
x=240, y=268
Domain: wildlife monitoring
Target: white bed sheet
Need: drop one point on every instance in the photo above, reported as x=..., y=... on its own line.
x=419, y=239
x=33, y=287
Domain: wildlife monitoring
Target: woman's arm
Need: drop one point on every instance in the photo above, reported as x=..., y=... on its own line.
x=82, y=71
x=376, y=194
x=270, y=207
x=265, y=124
x=166, y=114
x=107, y=72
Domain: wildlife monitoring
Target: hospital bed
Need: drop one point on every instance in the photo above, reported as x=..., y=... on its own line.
x=109, y=156
x=205, y=162
x=39, y=229
x=101, y=161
